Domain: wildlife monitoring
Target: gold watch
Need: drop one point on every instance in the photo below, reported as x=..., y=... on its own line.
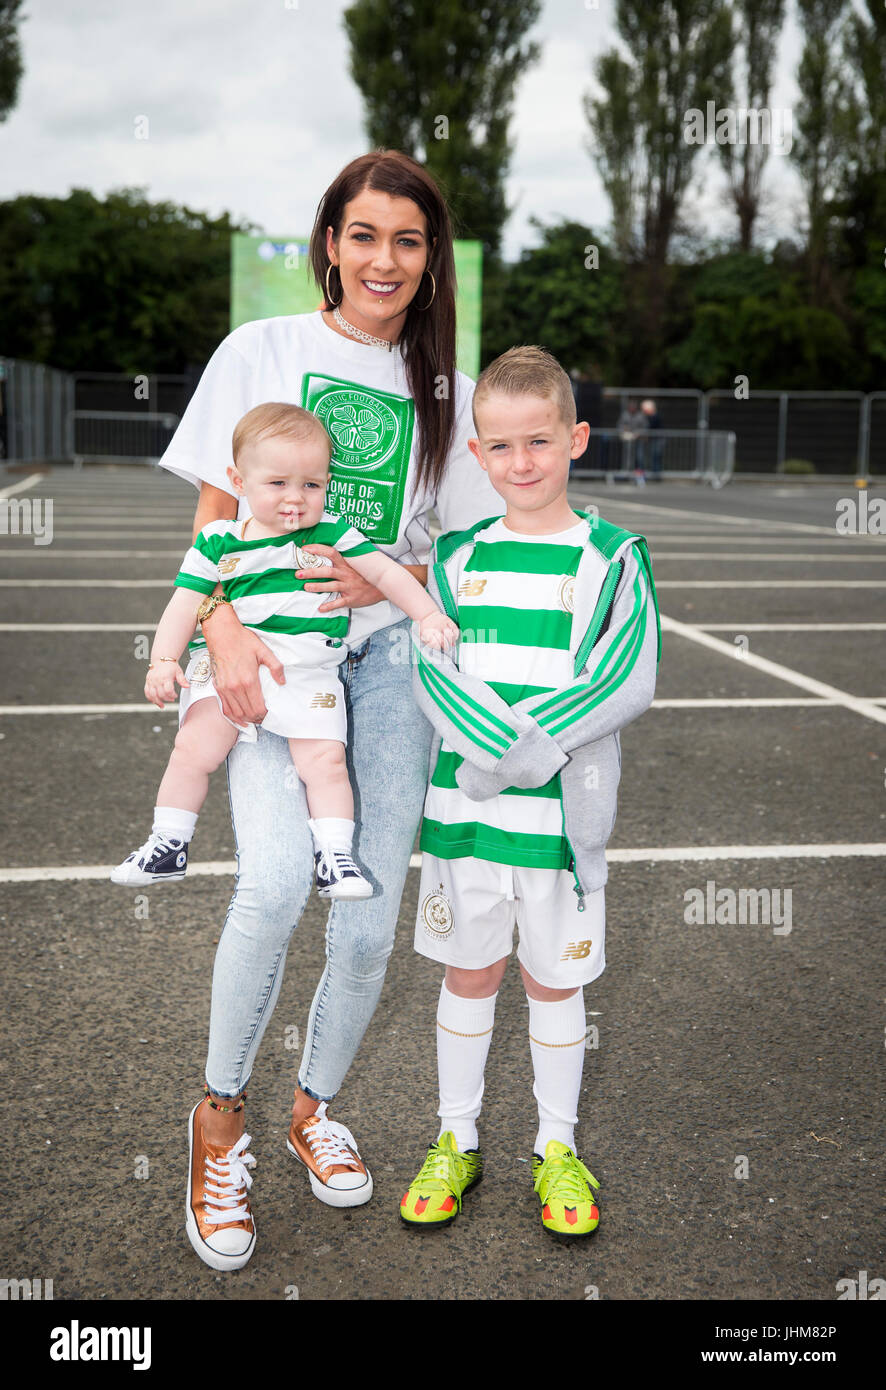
x=209, y=605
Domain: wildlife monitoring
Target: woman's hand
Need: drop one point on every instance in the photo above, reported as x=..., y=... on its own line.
x=351, y=590
x=237, y=655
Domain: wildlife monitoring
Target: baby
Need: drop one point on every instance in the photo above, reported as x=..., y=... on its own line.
x=281, y=464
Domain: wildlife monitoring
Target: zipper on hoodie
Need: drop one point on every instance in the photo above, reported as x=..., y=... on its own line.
x=601, y=613
x=446, y=591
x=576, y=888
x=599, y=618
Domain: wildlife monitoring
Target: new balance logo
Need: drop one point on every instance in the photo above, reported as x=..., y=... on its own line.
x=323, y=701
x=577, y=950
x=471, y=588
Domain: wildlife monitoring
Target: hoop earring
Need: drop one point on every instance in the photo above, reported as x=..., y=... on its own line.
x=422, y=307
x=329, y=298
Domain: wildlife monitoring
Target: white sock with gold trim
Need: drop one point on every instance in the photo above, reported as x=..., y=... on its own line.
x=557, y=1044
x=464, y=1032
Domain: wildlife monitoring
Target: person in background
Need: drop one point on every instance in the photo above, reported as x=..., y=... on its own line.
x=632, y=424
x=656, y=444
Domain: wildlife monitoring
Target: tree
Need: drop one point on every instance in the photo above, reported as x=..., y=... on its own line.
x=438, y=80
x=678, y=59
x=748, y=316
x=10, y=56
x=819, y=148
x=759, y=24
x=864, y=208
x=567, y=296
x=114, y=285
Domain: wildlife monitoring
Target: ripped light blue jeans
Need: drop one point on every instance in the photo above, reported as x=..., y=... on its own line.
x=388, y=751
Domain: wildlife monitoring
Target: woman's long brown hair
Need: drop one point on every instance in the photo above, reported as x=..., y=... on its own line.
x=429, y=335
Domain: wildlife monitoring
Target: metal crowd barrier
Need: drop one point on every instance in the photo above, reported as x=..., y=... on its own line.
x=705, y=456
x=118, y=436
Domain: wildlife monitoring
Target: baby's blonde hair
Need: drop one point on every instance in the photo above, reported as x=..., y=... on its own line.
x=527, y=371
x=276, y=418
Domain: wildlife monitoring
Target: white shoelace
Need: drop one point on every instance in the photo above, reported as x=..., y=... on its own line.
x=335, y=863
x=156, y=845
x=225, y=1185
x=330, y=1142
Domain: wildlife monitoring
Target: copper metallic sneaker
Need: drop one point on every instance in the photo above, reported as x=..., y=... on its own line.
x=218, y=1219
x=338, y=1174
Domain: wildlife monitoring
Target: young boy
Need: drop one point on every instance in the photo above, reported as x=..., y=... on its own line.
x=281, y=463
x=558, y=650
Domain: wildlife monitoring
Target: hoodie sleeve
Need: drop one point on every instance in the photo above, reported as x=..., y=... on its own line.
x=476, y=722
x=618, y=681
x=614, y=688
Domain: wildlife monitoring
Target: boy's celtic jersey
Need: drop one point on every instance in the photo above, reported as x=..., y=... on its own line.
x=258, y=576
x=515, y=615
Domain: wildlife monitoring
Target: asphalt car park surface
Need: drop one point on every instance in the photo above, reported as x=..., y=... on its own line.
x=721, y=1048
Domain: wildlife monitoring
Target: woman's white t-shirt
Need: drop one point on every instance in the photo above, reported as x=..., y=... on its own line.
x=361, y=395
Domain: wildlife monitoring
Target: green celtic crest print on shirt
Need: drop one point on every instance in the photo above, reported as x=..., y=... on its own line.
x=372, y=436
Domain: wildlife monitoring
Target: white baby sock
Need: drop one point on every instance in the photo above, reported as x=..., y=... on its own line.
x=332, y=832
x=173, y=822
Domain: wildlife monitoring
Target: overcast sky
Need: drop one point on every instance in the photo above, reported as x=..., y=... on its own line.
x=251, y=109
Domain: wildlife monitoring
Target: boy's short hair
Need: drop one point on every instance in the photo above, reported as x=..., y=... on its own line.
x=527, y=371
x=277, y=419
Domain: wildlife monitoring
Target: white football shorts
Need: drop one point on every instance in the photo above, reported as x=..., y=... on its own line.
x=310, y=705
x=468, y=908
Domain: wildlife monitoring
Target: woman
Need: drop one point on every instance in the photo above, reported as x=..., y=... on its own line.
x=377, y=366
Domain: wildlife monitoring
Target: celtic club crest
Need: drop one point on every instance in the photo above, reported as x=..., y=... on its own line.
x=365, y=429
x=436, y=914
x=304, y=560
x=567, y=594
x=202, y=671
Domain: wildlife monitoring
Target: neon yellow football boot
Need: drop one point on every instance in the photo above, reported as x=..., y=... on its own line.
x=435, y=1196
x=566, y=1190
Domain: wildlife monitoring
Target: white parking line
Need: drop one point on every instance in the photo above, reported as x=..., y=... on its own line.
x=774, y=668
x=768, y=559
x=755, y=702
x=86, y=583
x=20, y=487
x=77, y=627
x=702, y=627
x=713, y=702
x=828, y=542
x=696, y=533
x=744, y=583
x=612, y=503
x=143, y=708
x=789, y=627
x=61, y=533
x=700, y=852
x=22, y=548
x=52, y=552
x=659, y=584
x=687, y=853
